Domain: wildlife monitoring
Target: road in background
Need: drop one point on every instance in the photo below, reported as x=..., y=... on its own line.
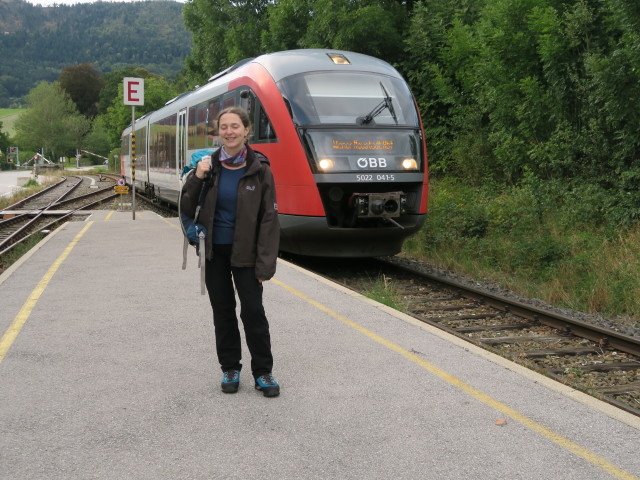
x=9, y=180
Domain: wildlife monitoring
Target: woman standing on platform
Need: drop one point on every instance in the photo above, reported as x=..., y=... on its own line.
x=241, y=246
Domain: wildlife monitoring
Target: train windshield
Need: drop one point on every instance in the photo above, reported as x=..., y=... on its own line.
x=349, y=98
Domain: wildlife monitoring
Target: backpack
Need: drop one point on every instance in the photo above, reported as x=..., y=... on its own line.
x=193, y=232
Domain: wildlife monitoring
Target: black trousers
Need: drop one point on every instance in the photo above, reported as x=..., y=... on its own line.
x=220, y=277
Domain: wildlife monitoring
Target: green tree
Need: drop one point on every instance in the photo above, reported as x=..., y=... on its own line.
x=288, y=21
x=5, y=98
x=51, y=121
x=99, y=139
x=156, y=93
x=365, y=26
x=441, y=52
x=223, y=32
x=512, y=90
x=83, y=84
x=113, y=84
x=4, y=146
x=4, y=139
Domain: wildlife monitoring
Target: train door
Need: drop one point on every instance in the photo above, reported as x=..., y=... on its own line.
x=181, y=143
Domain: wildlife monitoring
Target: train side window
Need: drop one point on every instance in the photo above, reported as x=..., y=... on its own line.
x=229, y=100
x=191, y=130
x=215, y=106
x=266, y=132
x=125, y=144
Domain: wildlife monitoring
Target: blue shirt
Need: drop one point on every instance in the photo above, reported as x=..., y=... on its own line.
x=224, y=221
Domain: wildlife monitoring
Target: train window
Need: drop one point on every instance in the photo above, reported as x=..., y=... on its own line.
x=347, y=98
x=124, y=144
x=202, y=114
x=199, y=125
x=215, y=106
x=229, y=100
x=162, y=144
x=265, y=128
x=191, y=130
x=141, y=148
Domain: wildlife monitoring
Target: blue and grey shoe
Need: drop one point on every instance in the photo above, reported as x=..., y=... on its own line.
x=268, y=385
x=230, y=381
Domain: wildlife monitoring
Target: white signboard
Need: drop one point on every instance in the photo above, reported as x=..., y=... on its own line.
x=133, y=91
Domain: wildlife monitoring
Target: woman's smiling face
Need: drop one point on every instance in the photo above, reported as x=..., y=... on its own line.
x=232, y=132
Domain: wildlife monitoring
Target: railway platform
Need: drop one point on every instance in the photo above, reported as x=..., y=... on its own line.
x=108, y=371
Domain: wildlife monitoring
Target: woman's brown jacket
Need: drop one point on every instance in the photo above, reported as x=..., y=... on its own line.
x=257, y=231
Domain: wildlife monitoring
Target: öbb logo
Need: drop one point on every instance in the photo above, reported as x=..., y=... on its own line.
x=372, y=162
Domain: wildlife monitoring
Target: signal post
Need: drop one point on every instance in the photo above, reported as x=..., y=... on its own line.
x=133, y=95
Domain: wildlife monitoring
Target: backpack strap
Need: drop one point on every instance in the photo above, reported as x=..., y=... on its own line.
x=185, y=248
x=201, y=253
x=203, y=195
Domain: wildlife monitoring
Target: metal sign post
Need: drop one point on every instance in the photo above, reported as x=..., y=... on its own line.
x=133, y=95
x=133, y=160
x=122, y=189
x=13, y=156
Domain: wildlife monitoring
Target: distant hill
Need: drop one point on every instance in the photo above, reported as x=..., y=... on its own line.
x=37, y=42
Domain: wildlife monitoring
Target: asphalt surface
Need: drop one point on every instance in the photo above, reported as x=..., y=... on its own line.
x=9, y=180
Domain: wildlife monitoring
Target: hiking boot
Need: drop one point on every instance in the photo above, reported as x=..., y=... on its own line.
x=268, y=385
x=230, y=381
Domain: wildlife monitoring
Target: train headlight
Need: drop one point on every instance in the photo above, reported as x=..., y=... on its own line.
x=325, y=164
x=409, y=164
x=339, y=59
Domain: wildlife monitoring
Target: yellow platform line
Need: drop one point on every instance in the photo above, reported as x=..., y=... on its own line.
x=172, y=225
x=18, y=322
x=564, y=442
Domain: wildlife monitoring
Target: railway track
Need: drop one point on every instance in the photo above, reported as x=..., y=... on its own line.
x=599, y=361
x=50, y=207
x=162, y=209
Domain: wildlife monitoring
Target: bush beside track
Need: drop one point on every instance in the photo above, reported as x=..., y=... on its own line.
x=537, y=240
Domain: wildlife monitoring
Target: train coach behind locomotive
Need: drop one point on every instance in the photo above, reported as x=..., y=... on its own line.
x=342, y=132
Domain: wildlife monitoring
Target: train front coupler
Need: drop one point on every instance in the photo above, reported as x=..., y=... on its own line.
x=386, y=206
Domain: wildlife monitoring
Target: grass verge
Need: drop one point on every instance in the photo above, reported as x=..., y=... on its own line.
x=383, y=291
x=538, y=241
x=9, y=258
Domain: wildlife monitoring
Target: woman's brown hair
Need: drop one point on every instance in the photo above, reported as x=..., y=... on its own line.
x=241, y=112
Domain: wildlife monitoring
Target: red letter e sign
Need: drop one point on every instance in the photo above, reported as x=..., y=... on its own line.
x=133, y=91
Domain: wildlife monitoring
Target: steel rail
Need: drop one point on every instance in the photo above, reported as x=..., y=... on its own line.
x=28, y=229
x=19, y=204
x=602, y=336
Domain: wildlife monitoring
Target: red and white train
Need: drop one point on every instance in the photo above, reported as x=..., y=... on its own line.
x=342, y=132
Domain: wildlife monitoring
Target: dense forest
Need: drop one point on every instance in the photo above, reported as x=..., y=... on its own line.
x=37, y=42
